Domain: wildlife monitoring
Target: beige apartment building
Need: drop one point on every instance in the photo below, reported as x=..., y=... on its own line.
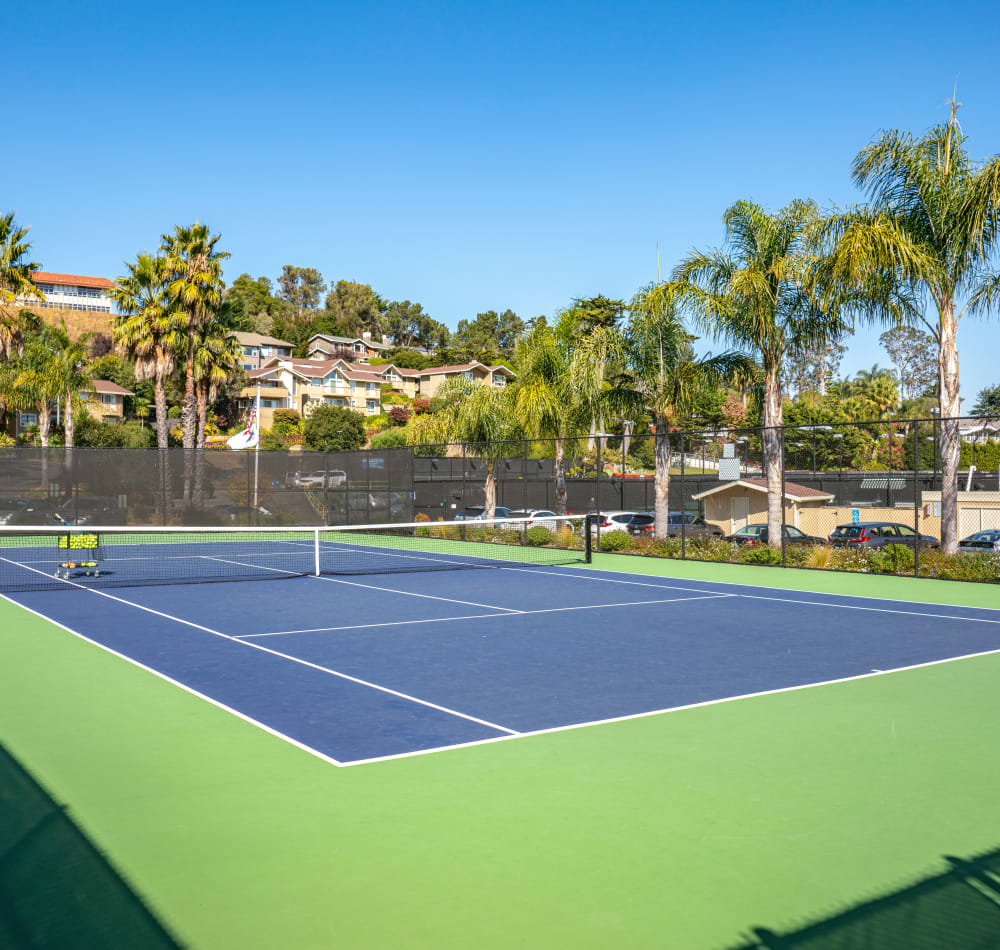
x=258, y=349
x=303, y=384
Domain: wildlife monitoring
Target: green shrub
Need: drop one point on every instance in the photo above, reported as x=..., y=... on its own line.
x=286, y=421
x=174, y=412
x=538, y=536
x=389, y=439
x=764, y=554
x=615, y=540
x=334, y=429
x=892, y=559
x=642, y=452
x=271, y=441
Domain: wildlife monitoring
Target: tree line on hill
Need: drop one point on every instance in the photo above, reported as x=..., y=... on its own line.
x=780, y=295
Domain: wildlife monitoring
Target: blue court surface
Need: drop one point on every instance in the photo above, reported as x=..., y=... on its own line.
x=370, y=667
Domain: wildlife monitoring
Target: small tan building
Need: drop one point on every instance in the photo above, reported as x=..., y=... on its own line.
x=733, y=505
x=432, y=378
x=104, y=400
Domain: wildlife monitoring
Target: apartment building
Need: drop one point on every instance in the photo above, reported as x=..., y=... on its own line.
x=258, y=349
x=358, y=349
x=303, y=384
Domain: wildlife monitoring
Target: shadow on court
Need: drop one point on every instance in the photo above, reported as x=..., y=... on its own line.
x=958, y=908
x=56, y=888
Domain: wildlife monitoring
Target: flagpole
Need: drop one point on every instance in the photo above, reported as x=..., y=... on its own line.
x=256, y=454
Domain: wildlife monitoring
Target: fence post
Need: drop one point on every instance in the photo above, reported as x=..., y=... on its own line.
x=781, y=459
x=683, y=500
x=916, y=498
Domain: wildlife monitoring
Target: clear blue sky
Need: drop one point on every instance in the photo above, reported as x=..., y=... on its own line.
x=469, y=156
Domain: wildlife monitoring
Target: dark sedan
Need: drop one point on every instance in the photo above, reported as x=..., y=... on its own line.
x=982, y=542
x=877, y=534
x=694, y=525
x=754, y=534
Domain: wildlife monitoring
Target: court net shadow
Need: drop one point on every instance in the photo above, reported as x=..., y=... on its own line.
x=56, y=888
x=958, y=909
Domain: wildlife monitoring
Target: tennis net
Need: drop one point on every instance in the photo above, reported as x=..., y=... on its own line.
x=61, y=557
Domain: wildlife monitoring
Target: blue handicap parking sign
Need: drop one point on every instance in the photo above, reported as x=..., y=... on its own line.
x=855, y=516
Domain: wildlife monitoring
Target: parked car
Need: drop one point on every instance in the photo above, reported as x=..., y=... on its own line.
x=478, y=513
x=981, y=542
x=754, y=534
x=694, y=526
x=331, y=479
x=877, y=534
x=610, y=521
x=524, y=518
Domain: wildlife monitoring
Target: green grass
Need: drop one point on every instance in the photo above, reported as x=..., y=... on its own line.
x=679, y=830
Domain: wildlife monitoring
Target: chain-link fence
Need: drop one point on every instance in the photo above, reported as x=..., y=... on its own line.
x=876, y=496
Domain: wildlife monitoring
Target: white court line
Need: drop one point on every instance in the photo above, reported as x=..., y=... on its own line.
x=286, y=656
x=178, y=683
x=671, y=709
x=517, y=613
x=388, y=590
x=815, y=603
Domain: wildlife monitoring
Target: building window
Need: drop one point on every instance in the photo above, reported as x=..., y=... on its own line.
x=249, y=366
x=109, y=399
x=26, y=419
x=265, y=351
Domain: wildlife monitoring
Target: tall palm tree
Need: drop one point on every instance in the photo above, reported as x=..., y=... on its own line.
x=195, y=286
x=932, y=230
x=663, y=378
x=756, y=296
x=15, y=284
x=147, y=330
x=217, y=359
x=545, y=398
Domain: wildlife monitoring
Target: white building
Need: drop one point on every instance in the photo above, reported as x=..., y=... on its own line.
x=71, y=292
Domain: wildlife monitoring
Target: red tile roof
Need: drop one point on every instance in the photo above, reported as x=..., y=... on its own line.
x=71, y=280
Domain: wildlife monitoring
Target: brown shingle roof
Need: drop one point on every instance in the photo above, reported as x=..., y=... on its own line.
x=259, y=339
x=105, y=386
x=791, y=489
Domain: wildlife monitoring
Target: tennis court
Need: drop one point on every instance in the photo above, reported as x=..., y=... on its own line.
x=375, y=650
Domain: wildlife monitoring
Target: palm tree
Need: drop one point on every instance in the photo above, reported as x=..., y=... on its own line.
x=545, y=398
x=931, y=231
x=217, y=359
x=756, y=296
x=68, y=368
x=485, y=422
x=663, y=378
x=15, y=284
x=195, y=287
x=141, y=409
x=147, y=330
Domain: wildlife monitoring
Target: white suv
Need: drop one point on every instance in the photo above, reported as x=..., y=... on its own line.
x=332, y=479
x=611, y=521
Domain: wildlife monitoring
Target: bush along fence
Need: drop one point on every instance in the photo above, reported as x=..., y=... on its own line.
x=877, y=497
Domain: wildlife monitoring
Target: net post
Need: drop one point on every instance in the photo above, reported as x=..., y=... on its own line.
x=588, y=547
x=316, y=551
